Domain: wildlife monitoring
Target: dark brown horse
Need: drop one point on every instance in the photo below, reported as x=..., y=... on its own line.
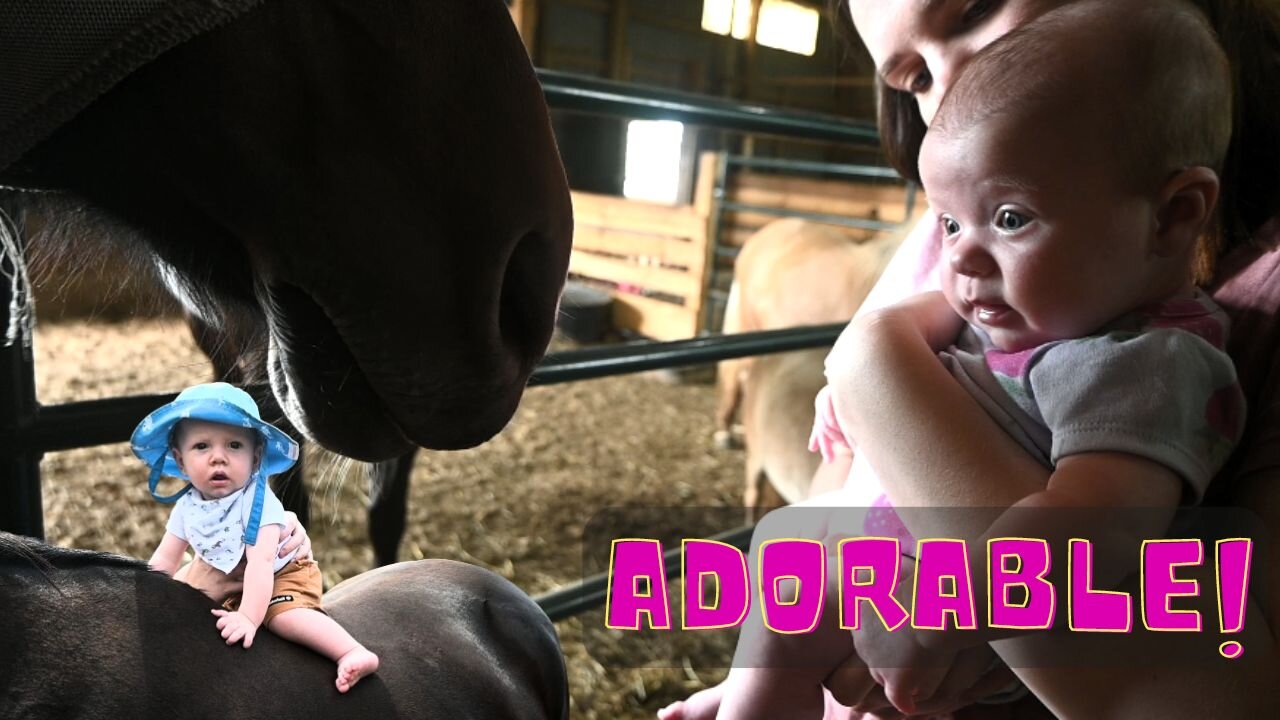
x=375, y=185
x=371, y=184
x=88, y=635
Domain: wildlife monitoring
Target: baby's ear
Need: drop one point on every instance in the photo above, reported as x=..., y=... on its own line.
x=177, y=458
x=1187, y=201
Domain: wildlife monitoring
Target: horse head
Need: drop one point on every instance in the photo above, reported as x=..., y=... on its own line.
x=375, y=184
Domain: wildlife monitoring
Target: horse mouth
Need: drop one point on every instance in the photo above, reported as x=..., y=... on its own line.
x=366, y=404
x=320, y=384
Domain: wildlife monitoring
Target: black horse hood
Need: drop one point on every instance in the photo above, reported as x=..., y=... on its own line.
x=58, y=56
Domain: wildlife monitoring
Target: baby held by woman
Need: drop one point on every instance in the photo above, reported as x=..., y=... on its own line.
x=1073, y=169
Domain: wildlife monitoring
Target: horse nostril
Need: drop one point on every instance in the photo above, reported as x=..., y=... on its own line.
x=526, y=305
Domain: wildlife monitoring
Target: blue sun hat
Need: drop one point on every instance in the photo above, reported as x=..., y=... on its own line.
x=220, y=403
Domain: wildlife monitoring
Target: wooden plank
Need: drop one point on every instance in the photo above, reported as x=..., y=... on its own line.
x=653, y=278
x=892, y=210
x=704, y=191
x=754, y=219
x=667, y=250
x=619, y=56
x=883, y=191
x=653, y=318
x=524, y=14
x=736, y=235
x=637, y=216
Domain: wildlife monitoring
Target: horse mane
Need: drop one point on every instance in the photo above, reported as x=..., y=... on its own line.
x=67, y=238
x=17, y=551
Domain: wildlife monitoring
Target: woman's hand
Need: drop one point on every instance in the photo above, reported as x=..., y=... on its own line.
x=965, y=678
x=852, y=686
x=914, y=679
x=295, y=537
x=826, y=437
x=931, y=316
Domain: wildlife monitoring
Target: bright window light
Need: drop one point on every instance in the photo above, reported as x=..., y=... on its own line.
x=653, y=160
x=787, y=26
x=727, y=17
x=717, y=16
x=741, y=19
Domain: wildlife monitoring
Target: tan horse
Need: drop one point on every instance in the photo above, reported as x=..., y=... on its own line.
x=790, y=273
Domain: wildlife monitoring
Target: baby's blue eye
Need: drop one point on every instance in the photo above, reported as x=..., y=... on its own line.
x=949, y=225
x=1009, y=221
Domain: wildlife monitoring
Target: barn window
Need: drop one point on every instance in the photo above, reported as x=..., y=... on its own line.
x=787, y=26
x=727, y=17
x=782, y=25
x=653, y=160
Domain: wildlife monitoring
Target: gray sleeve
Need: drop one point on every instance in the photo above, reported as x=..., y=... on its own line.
x=1165, y=395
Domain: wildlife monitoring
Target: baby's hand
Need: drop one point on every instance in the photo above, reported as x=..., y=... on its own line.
x=827, y=437
x=235, y=627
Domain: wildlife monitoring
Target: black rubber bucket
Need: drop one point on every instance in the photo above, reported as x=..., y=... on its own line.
x=586, y=313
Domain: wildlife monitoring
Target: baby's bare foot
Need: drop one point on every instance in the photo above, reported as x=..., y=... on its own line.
x=701, y=705
x=354, y=665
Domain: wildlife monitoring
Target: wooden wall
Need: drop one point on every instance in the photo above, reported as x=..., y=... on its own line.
x=657, y=260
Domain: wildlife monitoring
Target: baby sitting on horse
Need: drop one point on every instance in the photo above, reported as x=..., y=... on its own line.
x=213, y=437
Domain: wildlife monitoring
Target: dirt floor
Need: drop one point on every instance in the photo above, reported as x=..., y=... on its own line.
x=517, y=505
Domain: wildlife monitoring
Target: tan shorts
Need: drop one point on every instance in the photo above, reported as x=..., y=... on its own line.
x=297, y=585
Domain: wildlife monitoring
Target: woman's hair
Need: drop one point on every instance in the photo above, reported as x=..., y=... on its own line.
x=898, y=118
x=1249, y=32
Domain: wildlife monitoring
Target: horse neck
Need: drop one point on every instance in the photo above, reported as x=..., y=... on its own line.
x=65, y=622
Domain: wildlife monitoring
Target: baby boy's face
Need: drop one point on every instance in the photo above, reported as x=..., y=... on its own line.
x=1041, y=241
x=218, y=458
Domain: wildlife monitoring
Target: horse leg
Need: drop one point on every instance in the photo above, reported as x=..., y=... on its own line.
x=388, y=497
x=730, y=375
x=729, y=387
x=757, y=480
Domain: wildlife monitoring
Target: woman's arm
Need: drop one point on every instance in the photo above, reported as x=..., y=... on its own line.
x=929, y=441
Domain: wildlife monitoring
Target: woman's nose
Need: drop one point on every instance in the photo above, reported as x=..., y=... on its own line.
x=947, y=62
